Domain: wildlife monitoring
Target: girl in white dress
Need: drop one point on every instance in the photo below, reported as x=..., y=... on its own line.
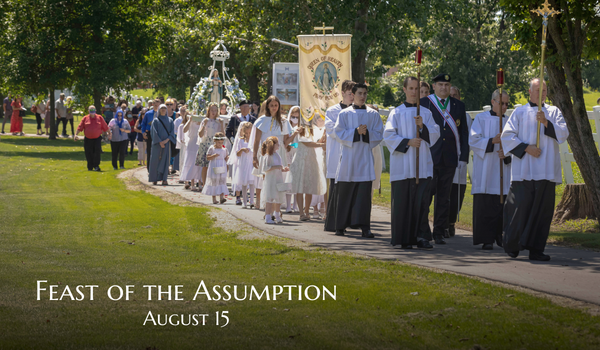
x=270, y=124
x=216, y=179
x=208, y=128
x=181, y=138
x=290, y=198
x=190, y=172
x=241, y=162
x=274, y=184
x=307, y=179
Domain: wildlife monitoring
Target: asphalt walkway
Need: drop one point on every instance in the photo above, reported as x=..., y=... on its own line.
x=572, y=273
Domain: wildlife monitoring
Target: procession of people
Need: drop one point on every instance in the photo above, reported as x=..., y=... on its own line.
x=280, y=163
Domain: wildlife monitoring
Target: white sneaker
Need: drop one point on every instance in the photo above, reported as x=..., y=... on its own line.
x=244, y=205
x=278, y=218
x=268, y=219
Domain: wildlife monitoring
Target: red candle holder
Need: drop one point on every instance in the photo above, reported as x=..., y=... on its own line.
x=418, y=56
x=500, y=77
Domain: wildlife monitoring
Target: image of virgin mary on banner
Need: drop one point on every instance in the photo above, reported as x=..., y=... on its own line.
x=325, y=63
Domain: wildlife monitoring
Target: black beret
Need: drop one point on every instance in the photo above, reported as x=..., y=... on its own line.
x=444, y=77
x=244, y=102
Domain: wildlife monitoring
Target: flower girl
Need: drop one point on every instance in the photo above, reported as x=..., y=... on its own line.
x=274, y=186
x=216, y=179
x=241, y=161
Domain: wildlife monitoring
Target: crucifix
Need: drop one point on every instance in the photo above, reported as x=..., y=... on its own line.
x=323, y=28
x=545, y=11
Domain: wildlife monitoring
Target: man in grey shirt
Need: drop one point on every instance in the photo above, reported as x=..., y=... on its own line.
x=61, y=114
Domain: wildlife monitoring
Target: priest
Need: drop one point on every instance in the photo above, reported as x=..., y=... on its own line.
x=358, y=130
x=485, y=143
x=450, y=152
x=332, y=151
x=534, y=174
x=409, y=199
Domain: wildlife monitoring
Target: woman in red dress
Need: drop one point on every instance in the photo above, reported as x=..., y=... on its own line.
x=16, y=122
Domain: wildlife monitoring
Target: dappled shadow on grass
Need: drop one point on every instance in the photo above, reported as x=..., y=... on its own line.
x=37, y=141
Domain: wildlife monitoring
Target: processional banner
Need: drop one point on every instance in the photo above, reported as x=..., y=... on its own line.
x=325, y=63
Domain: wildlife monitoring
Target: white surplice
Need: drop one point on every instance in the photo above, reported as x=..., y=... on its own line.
x=356, y=162
x=521, y=128
x=401, y=126
x=486, y=166
x=332, y=151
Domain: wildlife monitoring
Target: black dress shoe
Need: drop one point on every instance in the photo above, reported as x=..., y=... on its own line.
x=424, y=245
x=499, y=241
x=488, y=246
x=406, y=246
x=538, y=256
x=439, y=240
x=451, y=230
x=339, y=232
x=368, y=234
x=446, y=233
x=513, y=254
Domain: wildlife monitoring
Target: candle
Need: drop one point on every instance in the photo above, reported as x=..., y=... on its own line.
x=500, y=77
x=418, y=55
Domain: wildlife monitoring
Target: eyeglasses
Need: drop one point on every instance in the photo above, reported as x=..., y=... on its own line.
x=169, y=104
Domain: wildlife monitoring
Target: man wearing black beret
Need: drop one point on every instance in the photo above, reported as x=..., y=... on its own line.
x=450, y=152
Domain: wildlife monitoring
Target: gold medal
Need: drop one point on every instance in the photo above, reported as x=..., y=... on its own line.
x=457, y=122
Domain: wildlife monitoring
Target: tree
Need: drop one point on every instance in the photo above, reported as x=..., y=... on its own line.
x=54, y=44
x=572, y=37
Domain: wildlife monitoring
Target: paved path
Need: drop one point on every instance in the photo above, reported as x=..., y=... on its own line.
x=571, y=273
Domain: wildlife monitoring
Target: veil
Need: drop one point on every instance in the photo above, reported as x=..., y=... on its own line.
x=233, y=157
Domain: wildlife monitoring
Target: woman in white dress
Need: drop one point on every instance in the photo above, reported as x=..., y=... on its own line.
x=270, y=124
x=190, y=172
x=307, y=176
x=185, y=116
x=208, y=128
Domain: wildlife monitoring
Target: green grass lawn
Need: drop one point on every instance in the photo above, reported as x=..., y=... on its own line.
x=69, y=226
x=590, y=99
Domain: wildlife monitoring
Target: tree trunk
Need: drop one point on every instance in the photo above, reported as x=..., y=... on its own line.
x=566, y=91
x=53, y=128
x=358, y=66
x=576, y=203
x=253, y=81
x=360, y=35
x=97, y=101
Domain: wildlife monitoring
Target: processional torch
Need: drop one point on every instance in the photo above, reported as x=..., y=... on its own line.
x=418, y=56
x=500, y=83
x=545, y=11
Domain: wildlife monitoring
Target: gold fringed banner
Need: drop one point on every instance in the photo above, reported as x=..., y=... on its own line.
x=325, y=62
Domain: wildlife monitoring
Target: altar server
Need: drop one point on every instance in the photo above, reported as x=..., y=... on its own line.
x=409, y=200
x=358, y=129
x=484, y=140
x=332, y=150
x=534, y=174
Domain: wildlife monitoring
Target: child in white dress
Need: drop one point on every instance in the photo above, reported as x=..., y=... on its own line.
x=216, y=179
x=294, y=119
x=274, y=186
x=241, y=162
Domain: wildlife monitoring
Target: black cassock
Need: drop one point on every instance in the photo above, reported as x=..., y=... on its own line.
x=487, y=218
x=331, y=206
x=353, y=205
x=409, y=211
x=528, y=215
